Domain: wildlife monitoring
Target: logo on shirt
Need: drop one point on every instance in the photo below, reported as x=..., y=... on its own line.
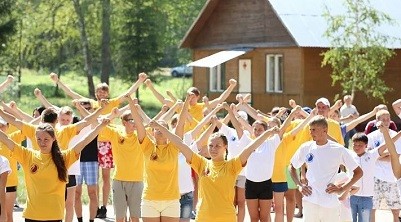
x=309, y=158
x=34, y=168
x=233, y=138
x=377, y=143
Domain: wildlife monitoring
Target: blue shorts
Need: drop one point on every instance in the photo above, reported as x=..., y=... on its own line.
x=186, y=203
x=280, y=187
x=89, y=173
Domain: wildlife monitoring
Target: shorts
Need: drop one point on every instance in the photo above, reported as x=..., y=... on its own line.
x=290, y=182
x=186, y=203
x=280, y=187
x=29, y=220
x=89, y=173
x=105, y=155
x=160, y=208
x=72, y=182
x=388, y=192
x=240, y=182
x=127, y=194
x=11, y=189
x=259, y=190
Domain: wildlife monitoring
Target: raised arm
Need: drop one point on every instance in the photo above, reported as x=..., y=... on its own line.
x=141, y=78
x=300, y=126
x=184, y=149
x=90, y=136
x=202, y=140
x=11, y=119
x=236, y=124
x=198, y=128
x=337, y=105
x=157, y=94
x=6, y=83
x=170, y=112
x=140, y=127
x=224, y=95
x=394, y=156
x=67, y=90
x=351, y=125
x=91, y=118
x=7, y=141
x=42, y=99
x=179, y=129
x=256, y=143
x=288, y=120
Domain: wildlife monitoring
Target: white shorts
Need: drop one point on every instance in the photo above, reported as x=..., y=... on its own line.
x=160, y=208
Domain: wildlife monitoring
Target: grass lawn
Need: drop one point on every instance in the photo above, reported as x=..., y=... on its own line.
x=31, y=80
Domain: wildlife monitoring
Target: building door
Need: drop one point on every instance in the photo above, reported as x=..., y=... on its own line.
x=244, y=81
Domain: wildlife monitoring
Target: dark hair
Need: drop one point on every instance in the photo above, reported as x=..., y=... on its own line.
x=49, y=115
x=39, y=109
x=75, y=119
x=360, y=137
x=55, y=152
x=194, y=90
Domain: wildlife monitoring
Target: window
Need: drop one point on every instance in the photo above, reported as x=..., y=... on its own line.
x=217, y=78
x=274, y=73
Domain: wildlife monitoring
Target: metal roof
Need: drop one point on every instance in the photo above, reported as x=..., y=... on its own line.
x=305, y=21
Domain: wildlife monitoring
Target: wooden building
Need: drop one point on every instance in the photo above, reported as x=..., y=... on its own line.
x=280, y=44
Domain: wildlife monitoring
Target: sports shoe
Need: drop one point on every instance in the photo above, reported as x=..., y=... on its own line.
x=101, y=212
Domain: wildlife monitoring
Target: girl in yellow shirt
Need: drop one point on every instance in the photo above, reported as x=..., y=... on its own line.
x=216, y=176
x=46, y=171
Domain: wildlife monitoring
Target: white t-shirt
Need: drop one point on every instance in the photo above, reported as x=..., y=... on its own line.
x=347, y=110
x=184, y=175
x=4, y=165
x=383, y=169
x=235, y=145
x=260, y=162
x=75, y=168
x=322, y=163
x=368, y=164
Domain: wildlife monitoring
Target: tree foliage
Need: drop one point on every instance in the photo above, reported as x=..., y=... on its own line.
x=358, y=54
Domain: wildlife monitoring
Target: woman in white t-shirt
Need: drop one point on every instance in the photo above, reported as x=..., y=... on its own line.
x=4, y=171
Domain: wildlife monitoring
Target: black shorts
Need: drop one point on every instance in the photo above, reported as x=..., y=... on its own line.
x=280, y=187
x=72, y=182
x=11, y=189
x=259, y=190
x=29, y=220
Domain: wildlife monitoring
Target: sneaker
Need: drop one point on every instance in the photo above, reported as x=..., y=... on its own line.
x=101, y=212
x=193, y=215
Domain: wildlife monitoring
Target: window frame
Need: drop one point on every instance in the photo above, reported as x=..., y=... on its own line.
x=278, y=86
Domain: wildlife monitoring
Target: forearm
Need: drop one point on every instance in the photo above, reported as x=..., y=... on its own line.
x=351, y=125
x=11, y=119
x=87, y=139
x=294, y=175
x=67, y=90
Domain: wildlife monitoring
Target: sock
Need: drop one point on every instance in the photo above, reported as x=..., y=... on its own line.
x=91, y=220
x=79, y=219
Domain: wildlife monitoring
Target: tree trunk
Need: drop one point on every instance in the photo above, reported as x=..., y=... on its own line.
x=85, y=47
x=106, y=58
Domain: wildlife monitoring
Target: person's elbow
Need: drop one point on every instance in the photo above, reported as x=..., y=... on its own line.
x=358, y=172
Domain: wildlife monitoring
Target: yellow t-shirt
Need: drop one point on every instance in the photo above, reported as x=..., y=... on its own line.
x=12, y=179
x=160, y=175
x=281, y=160
x=115, y=102
x=196, y=111
x=334, y=131
x=63, y=135
x=45, y=192
x=216, y=188
x=127, y=154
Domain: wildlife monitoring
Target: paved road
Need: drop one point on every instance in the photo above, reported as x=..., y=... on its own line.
x=381, y=216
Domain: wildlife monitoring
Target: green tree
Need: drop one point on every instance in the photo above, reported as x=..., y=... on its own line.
x=358, y=54
x=7, y=22
x=141, y=31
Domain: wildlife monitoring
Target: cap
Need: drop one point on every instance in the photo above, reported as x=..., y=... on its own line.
x=2, y=121
x=307, y=109
x=243, y=115
x=323, y=100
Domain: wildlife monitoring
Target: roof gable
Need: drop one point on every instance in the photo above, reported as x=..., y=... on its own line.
x=226, y=24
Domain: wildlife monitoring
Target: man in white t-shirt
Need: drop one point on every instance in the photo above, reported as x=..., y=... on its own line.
x=323, y=158
x=348, y=112
x=385, y=184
